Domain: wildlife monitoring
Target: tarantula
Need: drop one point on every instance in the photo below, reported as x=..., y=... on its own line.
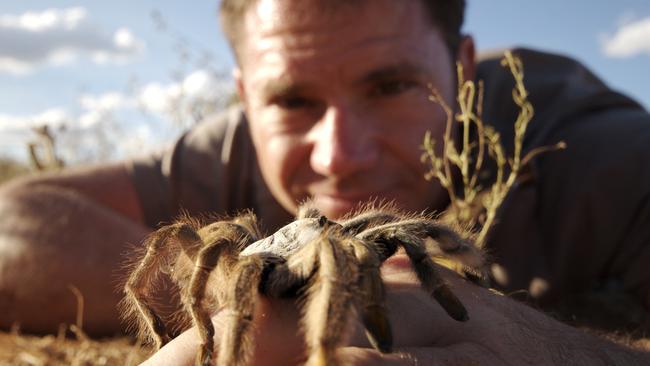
x=333, y=266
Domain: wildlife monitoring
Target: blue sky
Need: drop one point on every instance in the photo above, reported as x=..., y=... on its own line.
x=115, y=79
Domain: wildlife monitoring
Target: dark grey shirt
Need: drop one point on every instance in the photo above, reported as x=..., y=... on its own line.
x=574, y=234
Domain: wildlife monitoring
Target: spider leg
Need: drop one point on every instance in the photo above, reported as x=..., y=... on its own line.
x=308, y=209
x=331, y=271
x=240, y=299
x=329, y=300
x=446, y=242
x=248, y=221
x=411, y=235
x=136, y=288
x=372, y=304
x=367, y=219
x=452, y=245
x=432, y=282
x=222, y=251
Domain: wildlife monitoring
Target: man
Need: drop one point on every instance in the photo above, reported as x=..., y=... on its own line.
x=335, y=95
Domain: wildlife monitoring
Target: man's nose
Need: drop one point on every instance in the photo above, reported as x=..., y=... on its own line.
x=343, y=143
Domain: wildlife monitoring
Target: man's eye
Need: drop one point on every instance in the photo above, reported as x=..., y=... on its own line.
x=294, y=103
x=391, y=88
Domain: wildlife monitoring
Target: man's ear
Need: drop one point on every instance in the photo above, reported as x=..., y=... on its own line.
x=239, y=82
x=467, y=57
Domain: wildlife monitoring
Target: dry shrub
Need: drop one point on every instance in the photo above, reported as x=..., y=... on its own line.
x=474, y=207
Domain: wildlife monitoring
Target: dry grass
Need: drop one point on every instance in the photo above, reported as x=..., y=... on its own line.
x=78, y=350
x=474, y=206
x=23, y=350
x=10, y=169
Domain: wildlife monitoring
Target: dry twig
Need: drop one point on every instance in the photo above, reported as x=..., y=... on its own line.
x=473, y=205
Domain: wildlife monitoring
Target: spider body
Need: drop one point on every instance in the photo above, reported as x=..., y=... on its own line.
x=333, y=266
x=288, y=239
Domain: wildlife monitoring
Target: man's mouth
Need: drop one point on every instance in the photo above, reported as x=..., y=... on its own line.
x=334, y=206
x=337, y=204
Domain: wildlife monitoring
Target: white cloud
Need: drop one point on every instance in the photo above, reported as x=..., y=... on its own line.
x=60, y=36
x=112, y=125
x=54, y=117
x=205, y=84
x=45, y=20
x=164, y=100
x=106, y=101
x=631, y=39
x=201, y=91
x=16, y=131
x=124, y=39
x=158, y=98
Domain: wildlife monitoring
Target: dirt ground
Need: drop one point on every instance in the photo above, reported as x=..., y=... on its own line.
x=23, y=350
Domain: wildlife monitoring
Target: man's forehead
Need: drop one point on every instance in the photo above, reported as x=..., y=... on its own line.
x=275, y=16
x=293, y=56
x=266, y=8
x=302, y=32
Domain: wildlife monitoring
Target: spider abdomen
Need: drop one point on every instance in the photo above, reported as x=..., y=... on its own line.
x=287, y=240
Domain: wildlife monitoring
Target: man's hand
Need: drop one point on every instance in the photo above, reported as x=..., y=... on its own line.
x=499, y=332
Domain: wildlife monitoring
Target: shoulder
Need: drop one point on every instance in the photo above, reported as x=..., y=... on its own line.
x=543, y=71
x=570, y=103
x=586, y=204
x=217, y=132
x=210, y=161
x=205, y=170
x=217, y=141
x=607, y=133
x=557, y=84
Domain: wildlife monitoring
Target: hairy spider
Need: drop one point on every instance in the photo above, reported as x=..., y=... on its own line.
x=333, y=266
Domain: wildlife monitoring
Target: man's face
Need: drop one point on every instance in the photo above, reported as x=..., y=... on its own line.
x=337, y=101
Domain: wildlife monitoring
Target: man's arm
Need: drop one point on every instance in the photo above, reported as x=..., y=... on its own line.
x=62, y=230
x=500, y=332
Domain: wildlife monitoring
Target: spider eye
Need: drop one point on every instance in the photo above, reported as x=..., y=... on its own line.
x=322, y=220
